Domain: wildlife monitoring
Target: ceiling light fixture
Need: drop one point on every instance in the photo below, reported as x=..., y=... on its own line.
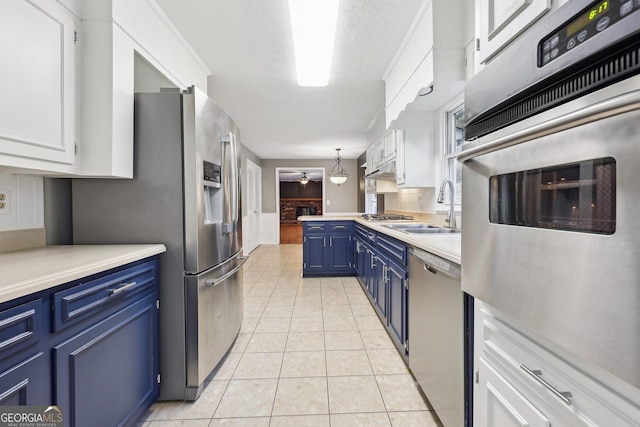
x=304, y=180
x=338, y=176
x=313, y=27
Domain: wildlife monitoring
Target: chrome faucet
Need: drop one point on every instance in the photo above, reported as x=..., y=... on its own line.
x=451, y=216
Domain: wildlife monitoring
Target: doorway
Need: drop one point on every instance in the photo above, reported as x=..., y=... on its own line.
x=251, y=223
x=300, y=191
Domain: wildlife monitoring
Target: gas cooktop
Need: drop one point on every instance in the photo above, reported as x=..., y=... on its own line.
x=386, y=217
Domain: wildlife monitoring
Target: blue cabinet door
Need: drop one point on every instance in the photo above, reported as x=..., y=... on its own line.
x=380, y=283
x=107, y=374
x=340, y=253
x=28, y=382
x=397, y=303
x=314, y=253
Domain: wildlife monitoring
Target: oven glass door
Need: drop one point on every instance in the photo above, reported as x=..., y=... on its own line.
x=575, y=197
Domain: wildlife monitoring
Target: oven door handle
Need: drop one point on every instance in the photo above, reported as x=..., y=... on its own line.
x=610, y=107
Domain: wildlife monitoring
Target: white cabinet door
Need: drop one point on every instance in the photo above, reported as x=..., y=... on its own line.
x=37, y=80
x=390, y=141
x=500, y=21
x=499, y=404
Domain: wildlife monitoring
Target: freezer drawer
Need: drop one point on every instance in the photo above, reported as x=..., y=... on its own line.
x=213, y=319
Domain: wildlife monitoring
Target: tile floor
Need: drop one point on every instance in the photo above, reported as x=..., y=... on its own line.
x=311, y=352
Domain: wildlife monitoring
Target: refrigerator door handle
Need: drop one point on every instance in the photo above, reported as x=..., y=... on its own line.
x=230, y=182
x=218, y=280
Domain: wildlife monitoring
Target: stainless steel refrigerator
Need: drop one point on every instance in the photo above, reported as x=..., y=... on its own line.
x=186, y=194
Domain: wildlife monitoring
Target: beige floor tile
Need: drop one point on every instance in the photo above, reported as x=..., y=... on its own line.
x=301, y=396
x=307, y=311
x=304, y=364
x=259, y=365
x=281, y=300
x=240, y=344
x=376, y=339
x=249, y=325
x=387, y=362
x=363, y=309
x=277, y=311
x=260, y=291
x=247, y=397
x=253, y=311
x=372, y=419
x=288, y=291
x=348, y=362
x=340, y=323
x=357, y=299
x=401, y=393
x=267, y=343
x=272, y=325
x=301, y=421
x=369, y=323
x=241, y=422
x=309, y=300
x=151, y=413
x=336, y=309
x=306, y=324
x=180, y=423
x=354, y=394
x=413, y=419
x=204, y=407
x=255, y=301
x=305, y=341
x=347, y=340
x=226, y=367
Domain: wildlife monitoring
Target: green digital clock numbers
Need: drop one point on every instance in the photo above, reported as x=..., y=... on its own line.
x=587, y=17
x=598, y=10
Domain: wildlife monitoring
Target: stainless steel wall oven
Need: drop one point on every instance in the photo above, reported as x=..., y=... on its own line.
x=551, y=172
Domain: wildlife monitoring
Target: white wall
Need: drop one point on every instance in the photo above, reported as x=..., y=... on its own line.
x=23, y=204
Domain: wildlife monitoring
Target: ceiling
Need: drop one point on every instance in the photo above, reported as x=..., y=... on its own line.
x=293, y=174
x=246, y=44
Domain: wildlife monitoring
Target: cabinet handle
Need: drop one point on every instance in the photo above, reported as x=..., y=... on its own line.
x=373, y=263
x=315, y=228
x=324, y=242
x=562, y=395
x=123, y=288
x=330, y=241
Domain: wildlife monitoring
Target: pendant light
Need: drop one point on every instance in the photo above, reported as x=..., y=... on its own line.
x=304, y=180
x=338, y=175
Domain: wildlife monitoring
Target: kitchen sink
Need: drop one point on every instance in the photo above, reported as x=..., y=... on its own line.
x=405, y=226
x=433, y=230
x=421, y=228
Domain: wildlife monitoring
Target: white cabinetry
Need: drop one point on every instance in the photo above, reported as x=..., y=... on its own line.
x=38, y=84
x=116, y=33
x=68, y=105
x=432, y=53
x=498, y=22
x=416, y=150
x=557, y=390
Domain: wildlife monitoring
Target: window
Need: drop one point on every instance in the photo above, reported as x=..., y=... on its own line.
x=454, y=138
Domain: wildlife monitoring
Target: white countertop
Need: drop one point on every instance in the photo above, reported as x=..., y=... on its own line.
x=31, y=270
x=447, y=246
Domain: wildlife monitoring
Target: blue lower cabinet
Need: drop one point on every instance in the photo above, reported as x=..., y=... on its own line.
x=379, y=282
x=89, y=346
x=105, y=375
x=397, y=316
x=27, y=382
x=328, y=248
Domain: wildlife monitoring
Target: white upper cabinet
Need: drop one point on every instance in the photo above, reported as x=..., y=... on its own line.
x=432, y=54
x=498, y=22
x=117, y=36
x=38, y=84
x=70, y=69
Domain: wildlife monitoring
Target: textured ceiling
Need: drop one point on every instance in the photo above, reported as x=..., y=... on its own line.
x=247, y=46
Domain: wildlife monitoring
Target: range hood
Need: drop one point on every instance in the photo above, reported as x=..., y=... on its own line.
x=386, y=171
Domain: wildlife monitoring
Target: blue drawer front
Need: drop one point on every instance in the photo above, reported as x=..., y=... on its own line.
x=314, y=227
x=102, y=296
x=20, y=327
x=394, y=248
x=346, y=226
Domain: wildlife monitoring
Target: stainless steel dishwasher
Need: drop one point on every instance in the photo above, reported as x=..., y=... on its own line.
x=437, y=334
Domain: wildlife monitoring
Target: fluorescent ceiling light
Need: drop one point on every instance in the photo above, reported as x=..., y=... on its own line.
x=313, y=26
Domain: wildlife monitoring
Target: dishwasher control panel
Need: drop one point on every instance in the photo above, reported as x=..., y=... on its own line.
x=437, y=262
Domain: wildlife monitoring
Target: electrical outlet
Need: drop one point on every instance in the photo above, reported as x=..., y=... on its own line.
x=4, y=201
x=3, y=197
